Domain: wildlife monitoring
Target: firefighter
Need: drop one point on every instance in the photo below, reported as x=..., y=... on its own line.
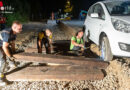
x=77, y=42
x=44, y=37
x=7, y=39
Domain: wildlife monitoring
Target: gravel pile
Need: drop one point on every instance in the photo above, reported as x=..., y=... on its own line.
x=63, y=32
x=58, y=34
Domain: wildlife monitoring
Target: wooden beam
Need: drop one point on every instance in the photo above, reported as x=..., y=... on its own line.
x=56, y=73
x=32, y=57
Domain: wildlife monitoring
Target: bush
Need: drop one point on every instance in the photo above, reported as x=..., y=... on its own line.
x=16, y=16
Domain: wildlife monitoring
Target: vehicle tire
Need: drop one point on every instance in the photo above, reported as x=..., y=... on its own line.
x=106, y=53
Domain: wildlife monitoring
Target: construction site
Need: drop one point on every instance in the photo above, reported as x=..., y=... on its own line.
x=62, y=69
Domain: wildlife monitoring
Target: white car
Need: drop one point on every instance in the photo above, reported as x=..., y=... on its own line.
x=108, y=26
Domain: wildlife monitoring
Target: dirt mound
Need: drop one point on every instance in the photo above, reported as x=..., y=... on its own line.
x=64, y=32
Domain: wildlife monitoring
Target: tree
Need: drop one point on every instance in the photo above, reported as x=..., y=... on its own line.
x=21, y=10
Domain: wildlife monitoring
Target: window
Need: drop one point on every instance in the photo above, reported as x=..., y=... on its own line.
x=99, y=10
x=90, y=11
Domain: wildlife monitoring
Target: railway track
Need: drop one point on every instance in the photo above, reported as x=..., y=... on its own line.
x=56, y=67
x=41, y=67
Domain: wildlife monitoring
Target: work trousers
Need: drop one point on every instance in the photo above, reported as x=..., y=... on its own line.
x=44, y=41
x=2, y=61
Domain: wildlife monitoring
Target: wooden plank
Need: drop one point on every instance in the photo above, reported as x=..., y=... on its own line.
x=56, y=73
x=60, y=60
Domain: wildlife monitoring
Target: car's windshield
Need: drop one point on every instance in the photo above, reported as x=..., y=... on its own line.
x=118, y=7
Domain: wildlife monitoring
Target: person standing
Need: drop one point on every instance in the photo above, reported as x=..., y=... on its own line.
x=7, y=40
x=52, y=16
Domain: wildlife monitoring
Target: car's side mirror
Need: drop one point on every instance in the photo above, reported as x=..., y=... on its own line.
x=94, y=15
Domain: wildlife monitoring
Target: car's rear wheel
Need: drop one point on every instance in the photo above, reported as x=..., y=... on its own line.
x=106, y=53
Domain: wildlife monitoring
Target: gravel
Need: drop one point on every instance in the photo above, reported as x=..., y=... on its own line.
x=117, y=77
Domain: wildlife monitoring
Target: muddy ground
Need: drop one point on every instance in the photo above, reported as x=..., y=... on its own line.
x=117, y=73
